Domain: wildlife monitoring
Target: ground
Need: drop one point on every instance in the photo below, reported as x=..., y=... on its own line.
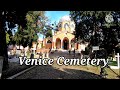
x=65, y=72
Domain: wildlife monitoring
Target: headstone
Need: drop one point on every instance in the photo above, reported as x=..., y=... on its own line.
x=18, y=52
x=32, y=56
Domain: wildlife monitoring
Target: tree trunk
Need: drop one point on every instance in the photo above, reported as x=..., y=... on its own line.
x=3, y=45
x=19, y=45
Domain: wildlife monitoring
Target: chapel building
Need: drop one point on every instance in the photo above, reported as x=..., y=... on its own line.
x=63, y=38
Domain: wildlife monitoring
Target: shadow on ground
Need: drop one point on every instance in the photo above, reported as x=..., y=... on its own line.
x=80, y=74
x=13, y=69
x=49, y=72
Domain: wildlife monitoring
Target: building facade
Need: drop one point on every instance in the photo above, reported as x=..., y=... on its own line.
x=63, y=38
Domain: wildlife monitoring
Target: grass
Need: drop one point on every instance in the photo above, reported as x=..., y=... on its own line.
x=113, y=63
x=92, y=69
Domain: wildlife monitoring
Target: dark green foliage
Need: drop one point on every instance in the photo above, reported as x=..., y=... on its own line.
x=92, y=27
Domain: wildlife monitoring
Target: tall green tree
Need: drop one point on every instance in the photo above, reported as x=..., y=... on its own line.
x=7, y=38
x=36, y=21
x=92, y=27
x=18, y=36
x=48, y=32
x=12, y=17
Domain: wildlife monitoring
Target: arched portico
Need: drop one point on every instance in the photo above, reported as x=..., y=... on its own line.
x=58, y=43
x=65, y=43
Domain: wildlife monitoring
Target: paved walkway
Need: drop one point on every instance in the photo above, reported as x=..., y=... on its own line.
x=52, y=72
x=14, y=59
x=49, y=72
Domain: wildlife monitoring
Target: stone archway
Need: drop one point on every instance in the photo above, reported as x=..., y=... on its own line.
x=58, y=43
x=66, y=43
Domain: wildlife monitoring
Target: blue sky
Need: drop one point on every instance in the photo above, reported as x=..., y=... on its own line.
x=55, y=16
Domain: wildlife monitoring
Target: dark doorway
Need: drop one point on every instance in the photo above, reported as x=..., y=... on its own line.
x=65, y=44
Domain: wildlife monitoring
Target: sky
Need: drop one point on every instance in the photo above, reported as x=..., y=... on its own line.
x=55, y=16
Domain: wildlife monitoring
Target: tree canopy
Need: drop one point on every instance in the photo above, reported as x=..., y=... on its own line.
x=13, y=17
x=7, y=38
x=35, y=23
x=92, y=27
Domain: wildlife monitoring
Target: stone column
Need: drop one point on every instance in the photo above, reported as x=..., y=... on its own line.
x=69, y=44
x=53, y=44
x=61, y=44
x=1, y=65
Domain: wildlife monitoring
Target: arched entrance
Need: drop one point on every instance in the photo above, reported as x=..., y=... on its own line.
x=65, y=43
x=58, y=43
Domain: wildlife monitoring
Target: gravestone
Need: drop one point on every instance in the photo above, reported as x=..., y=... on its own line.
x=18, y=53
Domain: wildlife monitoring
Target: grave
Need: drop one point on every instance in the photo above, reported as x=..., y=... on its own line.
x=18, y=53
